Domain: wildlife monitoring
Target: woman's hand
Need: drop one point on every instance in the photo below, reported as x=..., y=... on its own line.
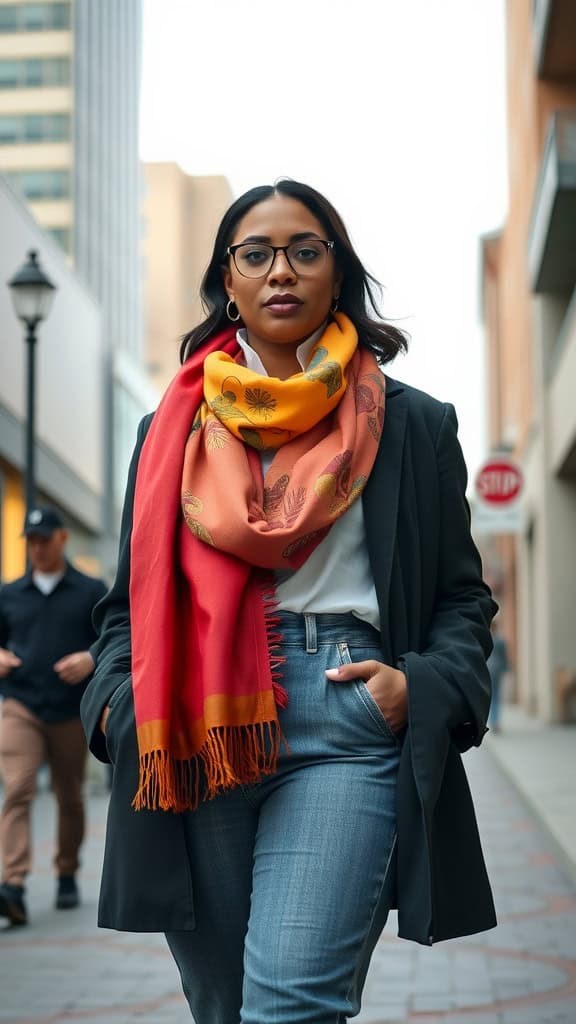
x=387, y=685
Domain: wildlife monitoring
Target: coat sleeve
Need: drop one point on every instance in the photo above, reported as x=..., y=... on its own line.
x=449, y=683
x=112, y=651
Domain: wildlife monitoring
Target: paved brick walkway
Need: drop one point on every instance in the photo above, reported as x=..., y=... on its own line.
x=62, y=969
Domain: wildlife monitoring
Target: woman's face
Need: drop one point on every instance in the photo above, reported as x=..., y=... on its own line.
x=284, y=306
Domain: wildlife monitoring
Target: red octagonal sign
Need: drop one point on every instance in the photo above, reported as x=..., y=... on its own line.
x=499, y=482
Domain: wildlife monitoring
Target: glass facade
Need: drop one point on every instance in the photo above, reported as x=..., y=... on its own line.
x=34, y=128
x=34, y=17
x=33, y=74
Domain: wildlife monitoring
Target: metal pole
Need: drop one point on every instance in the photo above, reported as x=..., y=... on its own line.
x=30, y=417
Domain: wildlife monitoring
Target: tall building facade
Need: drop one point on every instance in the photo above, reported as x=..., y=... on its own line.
x=181, y=216
x=529, y=303
x=69, y=89
x=69, y=99
x=37, y=111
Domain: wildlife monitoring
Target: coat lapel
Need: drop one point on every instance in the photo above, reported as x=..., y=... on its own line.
x=380, y=500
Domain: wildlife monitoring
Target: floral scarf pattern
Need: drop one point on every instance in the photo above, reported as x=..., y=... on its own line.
x=324, y=425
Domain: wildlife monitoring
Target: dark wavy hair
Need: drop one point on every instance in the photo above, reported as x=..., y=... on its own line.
x=357, y=293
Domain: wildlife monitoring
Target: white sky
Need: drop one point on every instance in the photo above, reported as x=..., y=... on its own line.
x=395, y=109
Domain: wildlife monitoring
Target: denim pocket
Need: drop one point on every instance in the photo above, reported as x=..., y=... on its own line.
x=361, y=691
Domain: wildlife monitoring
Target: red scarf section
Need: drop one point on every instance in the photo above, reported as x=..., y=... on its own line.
x=226, y=643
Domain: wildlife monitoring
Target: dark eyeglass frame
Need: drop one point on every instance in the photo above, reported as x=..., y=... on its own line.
x=329, y=245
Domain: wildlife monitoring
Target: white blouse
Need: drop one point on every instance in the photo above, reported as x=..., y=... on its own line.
x=336, y=577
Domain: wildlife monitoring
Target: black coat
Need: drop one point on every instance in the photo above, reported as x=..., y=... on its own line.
x=435, y=613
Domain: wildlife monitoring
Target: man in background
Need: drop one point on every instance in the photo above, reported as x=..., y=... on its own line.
x=45, y=632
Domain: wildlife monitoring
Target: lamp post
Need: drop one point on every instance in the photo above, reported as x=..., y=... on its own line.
x=32, y=296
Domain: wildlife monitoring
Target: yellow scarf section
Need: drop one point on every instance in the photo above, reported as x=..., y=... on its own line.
x=266, y=412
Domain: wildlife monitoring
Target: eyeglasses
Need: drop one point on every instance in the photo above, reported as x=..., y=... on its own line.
x=256, y=259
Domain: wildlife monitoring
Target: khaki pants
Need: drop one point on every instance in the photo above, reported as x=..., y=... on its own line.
x=25, y=743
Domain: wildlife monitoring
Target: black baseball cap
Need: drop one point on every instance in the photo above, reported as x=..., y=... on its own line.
x=42, y=521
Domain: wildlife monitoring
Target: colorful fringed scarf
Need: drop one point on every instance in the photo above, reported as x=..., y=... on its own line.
x=208, y=530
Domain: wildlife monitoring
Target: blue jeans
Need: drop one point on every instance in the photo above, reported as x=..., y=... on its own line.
x=294, y=876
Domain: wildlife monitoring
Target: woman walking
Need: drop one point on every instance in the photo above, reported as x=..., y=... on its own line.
x=293, y=655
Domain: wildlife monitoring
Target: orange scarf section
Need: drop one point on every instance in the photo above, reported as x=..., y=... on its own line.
x=205, y=654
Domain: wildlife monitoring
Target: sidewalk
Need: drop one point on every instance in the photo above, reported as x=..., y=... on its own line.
x=63, y=969
x=541, y=762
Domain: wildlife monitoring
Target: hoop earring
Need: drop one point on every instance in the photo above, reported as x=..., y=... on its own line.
x=229, y=314
x=334, y=306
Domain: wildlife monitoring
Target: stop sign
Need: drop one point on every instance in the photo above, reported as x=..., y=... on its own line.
x=499, y=482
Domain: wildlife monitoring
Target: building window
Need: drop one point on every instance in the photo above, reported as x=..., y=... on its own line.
x=9, y=74
x=9, y=17
x=63, y=236
x=48, y=184
x=31, y=74
x=34, y=128
x=34, y=17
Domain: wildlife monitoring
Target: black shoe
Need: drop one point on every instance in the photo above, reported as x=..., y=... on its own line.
x=67, y=895
x=12, y=903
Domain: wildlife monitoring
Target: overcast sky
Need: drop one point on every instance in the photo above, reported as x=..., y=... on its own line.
x=395, y=109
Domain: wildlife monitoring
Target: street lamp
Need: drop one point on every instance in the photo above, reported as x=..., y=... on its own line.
x=32, y=295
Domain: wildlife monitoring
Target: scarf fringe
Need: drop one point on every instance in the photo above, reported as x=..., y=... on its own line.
x=274, y=639
x=230, y=756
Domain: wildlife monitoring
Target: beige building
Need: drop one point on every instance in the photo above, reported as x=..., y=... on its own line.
x=529, y=303
x=181, y=216
x=36, y=110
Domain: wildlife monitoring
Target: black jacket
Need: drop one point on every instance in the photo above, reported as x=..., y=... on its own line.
x=435, y=613
x=41, y=629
